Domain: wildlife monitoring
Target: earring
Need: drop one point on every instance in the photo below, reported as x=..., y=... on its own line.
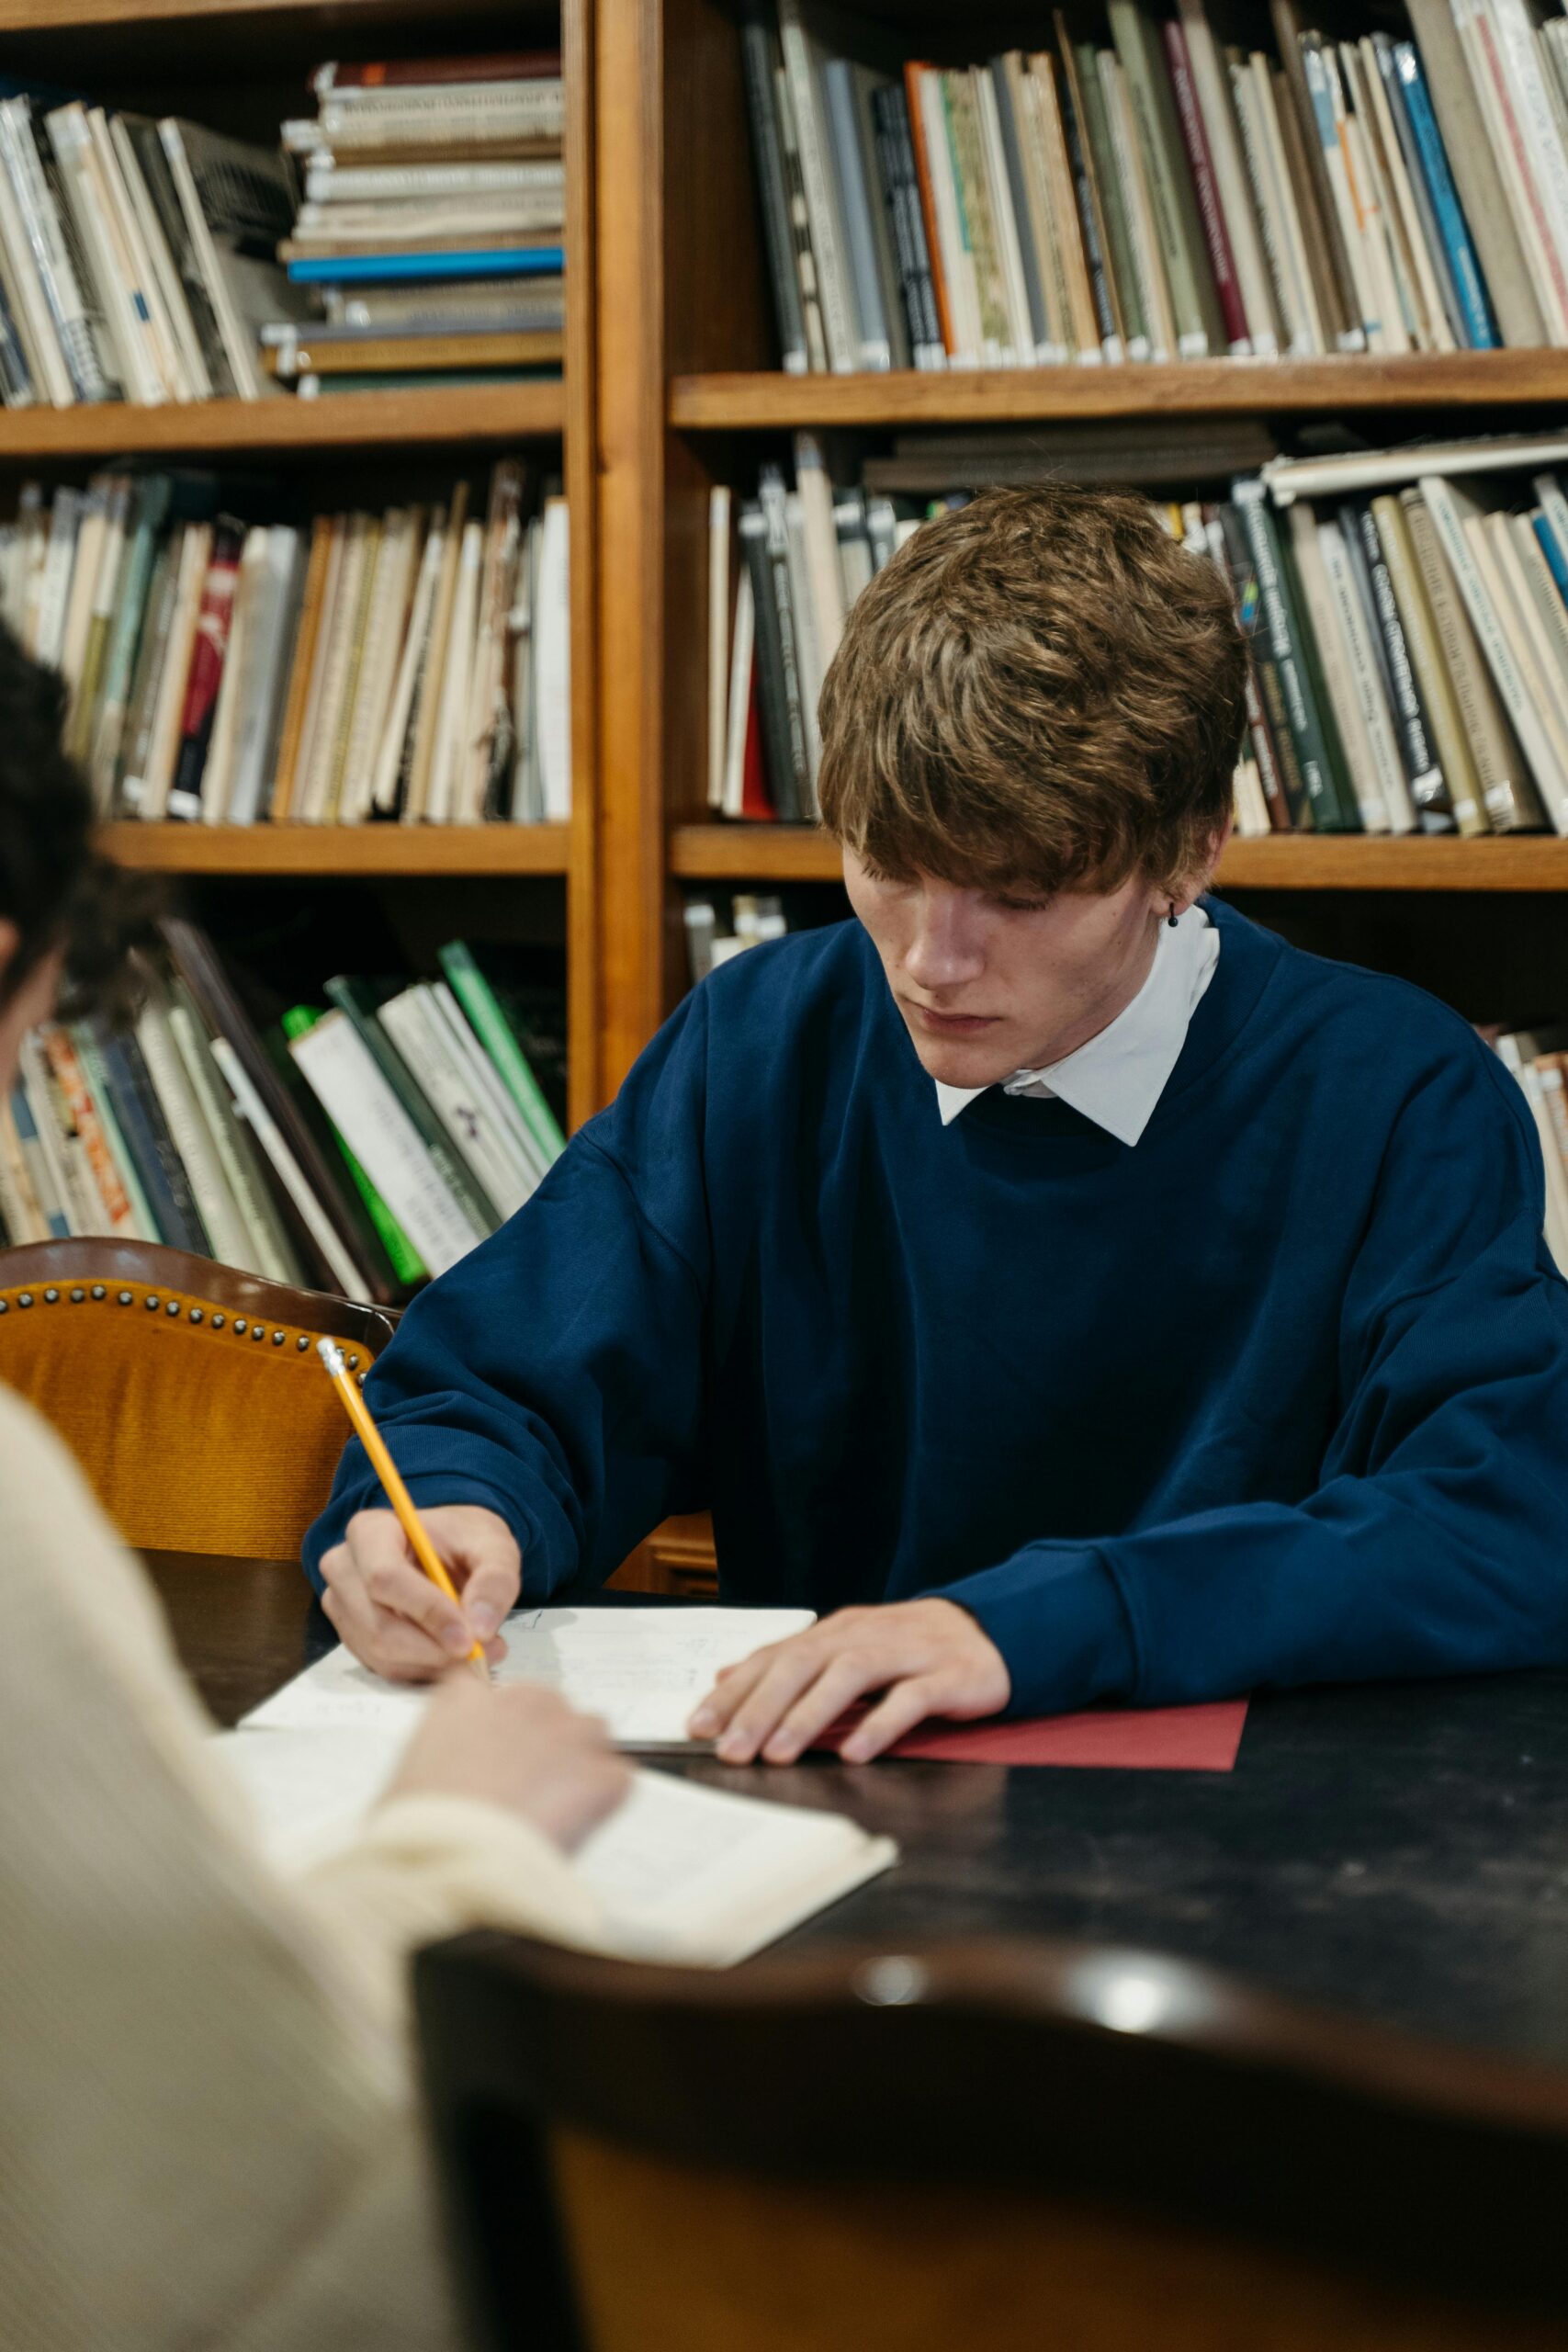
x=1170, y=918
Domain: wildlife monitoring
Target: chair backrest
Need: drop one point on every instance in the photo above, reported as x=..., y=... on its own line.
x=191, y=1394
x=1015, y=2146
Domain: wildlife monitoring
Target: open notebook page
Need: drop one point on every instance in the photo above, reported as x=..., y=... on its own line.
x=642, y=1670
x=681, y=1873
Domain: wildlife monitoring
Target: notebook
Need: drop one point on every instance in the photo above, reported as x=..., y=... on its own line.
x=683, y=1874
x=642, y=1670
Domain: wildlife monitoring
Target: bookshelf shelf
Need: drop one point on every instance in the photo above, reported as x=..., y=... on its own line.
x=1285, y=862
x=749, y=400
x=344, y=850
x=392, y=420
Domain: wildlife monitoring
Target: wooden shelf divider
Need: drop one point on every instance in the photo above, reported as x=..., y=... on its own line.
x=490, y=413
x=347, y=850
x=1281, y=862
x=758, y=399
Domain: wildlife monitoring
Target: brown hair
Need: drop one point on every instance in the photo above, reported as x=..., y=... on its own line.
x=1041, y=687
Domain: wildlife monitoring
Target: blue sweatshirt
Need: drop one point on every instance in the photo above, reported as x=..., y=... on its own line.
x=1277, y=1394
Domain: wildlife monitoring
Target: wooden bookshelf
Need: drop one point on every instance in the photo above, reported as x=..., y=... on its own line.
x=481, y=415
x=767, y=399
x=1282, y=861
x=242, y=66
x=340, y=850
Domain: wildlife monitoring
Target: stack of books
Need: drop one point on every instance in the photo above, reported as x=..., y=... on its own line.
x=1409, y=636
x=360, y=1147
x=137, y=258
x=1154, y=195
x=411, y=663
x=430, y=229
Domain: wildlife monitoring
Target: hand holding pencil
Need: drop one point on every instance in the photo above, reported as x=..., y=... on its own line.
x=397, y=1494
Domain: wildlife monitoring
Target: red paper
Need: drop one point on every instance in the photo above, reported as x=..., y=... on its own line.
x=1150, y=1739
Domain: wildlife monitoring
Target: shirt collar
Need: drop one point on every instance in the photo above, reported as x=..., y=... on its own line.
x=1118, y=1077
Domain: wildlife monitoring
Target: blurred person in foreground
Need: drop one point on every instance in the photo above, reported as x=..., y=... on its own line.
x=208, y=2133
x=1066, y=1287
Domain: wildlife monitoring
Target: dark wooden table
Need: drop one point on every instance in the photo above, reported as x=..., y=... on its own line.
x=1397, y=1852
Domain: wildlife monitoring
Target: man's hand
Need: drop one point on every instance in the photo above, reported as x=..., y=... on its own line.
x=388, y=1610
x=928, y=1657
x=524, y=1748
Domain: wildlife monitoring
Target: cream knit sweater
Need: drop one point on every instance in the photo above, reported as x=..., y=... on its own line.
x=207, y=2138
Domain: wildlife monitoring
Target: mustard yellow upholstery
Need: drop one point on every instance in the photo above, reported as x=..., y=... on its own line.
x=202, y=1425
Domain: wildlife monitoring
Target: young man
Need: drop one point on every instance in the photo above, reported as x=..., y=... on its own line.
x=1070, y=1289
x=209, y=2132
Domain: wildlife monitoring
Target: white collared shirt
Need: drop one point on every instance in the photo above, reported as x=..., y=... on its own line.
x=1118, y=1077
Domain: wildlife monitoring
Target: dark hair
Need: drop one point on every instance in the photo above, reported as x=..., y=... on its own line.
x=53, y=885
x=1044, y=685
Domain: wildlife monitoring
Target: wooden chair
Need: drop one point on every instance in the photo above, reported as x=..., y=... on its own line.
x=1009, y=2147
x=191, y=1394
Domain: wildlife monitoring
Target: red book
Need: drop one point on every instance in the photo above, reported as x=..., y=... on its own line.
x=1195, y=139
x=207, y=656
x=402, y=72
x=755, y=798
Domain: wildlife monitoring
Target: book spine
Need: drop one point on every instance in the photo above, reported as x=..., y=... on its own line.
x=206, y=672
x=873, y=345
x=353, y=1000
x=1140, y=63
x=1507, y=793
x=1113, y=205
x=1367, y=678
x=342, y=1270
x=770, y=491
x=1253, y=623
x=493, y=1031
x=772, y=193
x=900, y=180
x=152, y=1145
x=393, y=72
x=46, y=240
x=1334, y=677
x=1324, y=701
x=1041, y=346
x=1435, y=684
x=1322, y=238
x=42, y=1182
x=1495, y=639
x=1210, y=212
x=1470, y=290
x=1213, y=83
x=1452, y=102
x=807, y=273
x=269, y=1252
x=1283, y=635
x=832, y=276
x=1427, y=786
x=1106, y=320
x=227, y=1241
x=402, y=1256
x=69, y=1076
x=1428, y=237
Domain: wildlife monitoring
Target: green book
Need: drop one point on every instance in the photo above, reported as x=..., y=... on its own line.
x=1114, y=202
x=494, y=1032
x=1199, y=326
x=401, y=1255
x=357, y=1000
x=1281, y=626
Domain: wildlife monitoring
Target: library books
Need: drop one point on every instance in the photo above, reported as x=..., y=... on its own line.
x=428, y=237
x=1144, y=191
x=407, y=664
x=1407, y=613
x=135, y=257
x=358, y=1145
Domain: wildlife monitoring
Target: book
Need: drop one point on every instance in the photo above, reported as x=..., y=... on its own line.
x=490, y=1023
x=401, y=1256
x=682, y=1874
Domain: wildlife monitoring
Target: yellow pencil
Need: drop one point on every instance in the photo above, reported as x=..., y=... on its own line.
x=398, y=1494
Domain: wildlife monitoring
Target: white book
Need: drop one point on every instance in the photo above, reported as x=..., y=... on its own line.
x=1288, y=478
x=1514, y=36
x=250, y=1107
x=955, y=261
x=1254, y=104
x=91, y=532
x=1366, y=197
x=1479, y=46
x=383, y=642
x=20, y=274
x=683, y=1874
x=269, y=1252
x=827, y=238
x=45, y=235
x=1437, y=335
x=644, y=1671
x=1212, y=88
x=741, y=652
x=1449, y=510
x=160, y=346
x=109, y=265
x=196, y=553
x=57, y=1183
x=552, y=663
x=529, y=1159
x=807, y=639
x=1366, y=678
x=447, y=1085
x=1322, y=82
x=194, y=378
x=1158, y=341
x=221, y=1215
x=335, y=668
x=816, y=494
x=1323, y=619
x=415, y=644
x=719, y=504
x=263, y=685
x=456, y=672
x=245, y=291
x=342, y=1073
x=1009, y=251
x=48, y=634
x=218, y=768
x=1534, y=643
